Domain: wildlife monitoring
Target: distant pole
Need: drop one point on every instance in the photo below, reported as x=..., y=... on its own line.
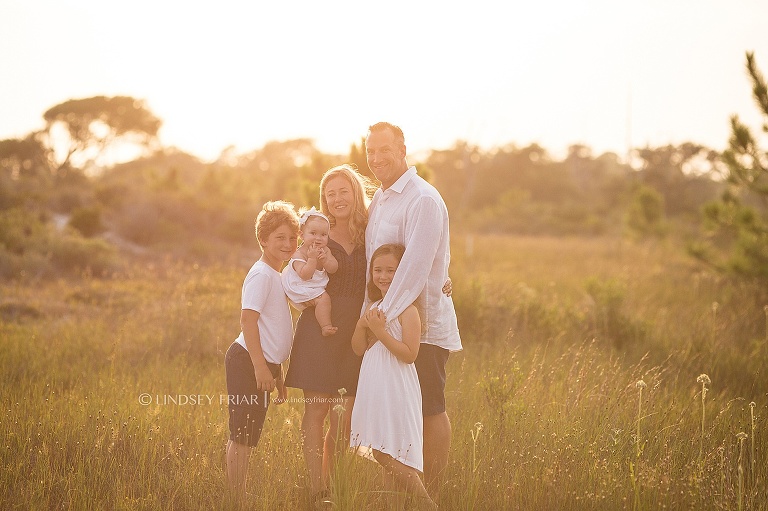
x=629, y=125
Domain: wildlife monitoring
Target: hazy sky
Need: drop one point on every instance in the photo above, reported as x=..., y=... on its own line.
x=598, y=72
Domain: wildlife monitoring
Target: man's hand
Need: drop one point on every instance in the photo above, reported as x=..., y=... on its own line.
x=448, y=287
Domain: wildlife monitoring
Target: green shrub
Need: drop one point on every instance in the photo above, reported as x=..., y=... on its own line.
x=87, y=221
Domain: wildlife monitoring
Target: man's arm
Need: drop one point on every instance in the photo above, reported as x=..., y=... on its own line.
x=423, y=232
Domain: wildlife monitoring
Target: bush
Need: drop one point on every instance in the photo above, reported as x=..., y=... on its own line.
x=87, y=221
x=74, y=253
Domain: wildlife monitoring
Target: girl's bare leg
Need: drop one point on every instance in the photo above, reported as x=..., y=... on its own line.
x=407, y=479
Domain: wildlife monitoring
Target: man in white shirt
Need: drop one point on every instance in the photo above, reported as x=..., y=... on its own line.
x=408, y=210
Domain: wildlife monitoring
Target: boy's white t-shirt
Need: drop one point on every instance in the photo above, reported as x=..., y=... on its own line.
x=263, y=293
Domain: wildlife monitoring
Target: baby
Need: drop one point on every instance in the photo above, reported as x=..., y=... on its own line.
x=306, y=275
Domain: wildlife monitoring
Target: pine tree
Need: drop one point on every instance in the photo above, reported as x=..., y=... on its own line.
x=739, y=220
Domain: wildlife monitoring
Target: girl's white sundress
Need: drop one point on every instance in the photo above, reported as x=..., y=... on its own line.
x=387, y=412
x=299, y=290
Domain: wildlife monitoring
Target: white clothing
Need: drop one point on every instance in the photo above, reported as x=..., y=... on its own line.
x=387, y=412
x=263, y=293
x=299, y=290
x=413, y=213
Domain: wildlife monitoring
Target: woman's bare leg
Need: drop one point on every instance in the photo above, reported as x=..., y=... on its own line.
x=316, y=407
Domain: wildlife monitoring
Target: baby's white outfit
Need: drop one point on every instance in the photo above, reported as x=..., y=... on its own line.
x=299, y=290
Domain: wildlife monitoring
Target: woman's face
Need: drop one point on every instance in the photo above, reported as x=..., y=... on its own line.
x=339, y=197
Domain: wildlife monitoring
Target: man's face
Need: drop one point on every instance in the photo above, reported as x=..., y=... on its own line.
x=386, y=157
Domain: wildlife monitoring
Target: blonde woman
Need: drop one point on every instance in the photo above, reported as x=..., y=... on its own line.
x=322, y=365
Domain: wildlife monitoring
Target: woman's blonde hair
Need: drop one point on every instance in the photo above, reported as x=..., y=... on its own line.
x=362, y=190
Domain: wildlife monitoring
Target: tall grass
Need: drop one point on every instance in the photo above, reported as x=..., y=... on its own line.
x=111, y=388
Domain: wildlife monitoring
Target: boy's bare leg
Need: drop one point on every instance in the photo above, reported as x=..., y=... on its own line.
x=323, y=314
x=237, y=469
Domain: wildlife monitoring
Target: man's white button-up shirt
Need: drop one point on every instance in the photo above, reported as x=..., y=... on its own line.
x=412, y=212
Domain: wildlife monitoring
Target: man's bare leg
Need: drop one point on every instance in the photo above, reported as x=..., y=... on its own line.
x=437, y=444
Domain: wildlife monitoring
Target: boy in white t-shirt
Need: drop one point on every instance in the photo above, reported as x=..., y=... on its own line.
x=252, y=363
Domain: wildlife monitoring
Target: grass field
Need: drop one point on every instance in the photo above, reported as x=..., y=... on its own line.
x=111, y=387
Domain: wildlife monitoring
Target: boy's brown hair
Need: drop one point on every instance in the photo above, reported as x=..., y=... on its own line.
x=273, y=215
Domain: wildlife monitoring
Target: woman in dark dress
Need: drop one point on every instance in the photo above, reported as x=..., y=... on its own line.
x=326, y=367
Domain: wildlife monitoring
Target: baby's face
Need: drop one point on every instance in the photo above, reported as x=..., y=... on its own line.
x=315, y=231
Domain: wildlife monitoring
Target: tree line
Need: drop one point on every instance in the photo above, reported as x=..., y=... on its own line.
x=63, y=208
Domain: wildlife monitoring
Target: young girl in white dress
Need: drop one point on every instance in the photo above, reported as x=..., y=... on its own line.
x=306, y=274
x=387, y=415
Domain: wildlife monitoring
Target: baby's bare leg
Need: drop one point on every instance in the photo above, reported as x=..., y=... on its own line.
x=323, y=314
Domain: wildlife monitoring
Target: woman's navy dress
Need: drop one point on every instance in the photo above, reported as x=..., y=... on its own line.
x=327, y=364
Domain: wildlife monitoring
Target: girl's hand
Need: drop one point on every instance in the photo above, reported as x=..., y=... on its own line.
x=448, y=287
x=376, y=321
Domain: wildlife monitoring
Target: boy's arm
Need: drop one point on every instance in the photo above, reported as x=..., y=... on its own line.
x=249, y=322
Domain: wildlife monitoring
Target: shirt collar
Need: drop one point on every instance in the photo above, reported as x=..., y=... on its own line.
x=399, y=185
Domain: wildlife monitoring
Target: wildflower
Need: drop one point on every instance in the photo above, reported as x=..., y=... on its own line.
x=342, y=391
x=752, y=405
x=741, y=435
x=704, y=380
x=339, y=409
x=640, y=384
x=479, y=426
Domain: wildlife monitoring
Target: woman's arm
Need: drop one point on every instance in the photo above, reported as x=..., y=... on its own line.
x=407, y=348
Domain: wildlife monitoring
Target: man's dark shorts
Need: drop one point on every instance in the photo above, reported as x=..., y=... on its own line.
x=430, y=365
x=247, y=405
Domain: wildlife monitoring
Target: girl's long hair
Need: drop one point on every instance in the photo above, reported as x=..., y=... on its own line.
x=395, y=249
x=374, y=293
x=362, y=190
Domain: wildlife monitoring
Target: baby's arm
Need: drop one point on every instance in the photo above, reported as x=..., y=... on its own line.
x=306, y=270
x=407, y=350
x=329, y=262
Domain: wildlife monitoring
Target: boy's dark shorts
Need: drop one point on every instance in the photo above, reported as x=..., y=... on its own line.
x=247, y=405
x=430, y=365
